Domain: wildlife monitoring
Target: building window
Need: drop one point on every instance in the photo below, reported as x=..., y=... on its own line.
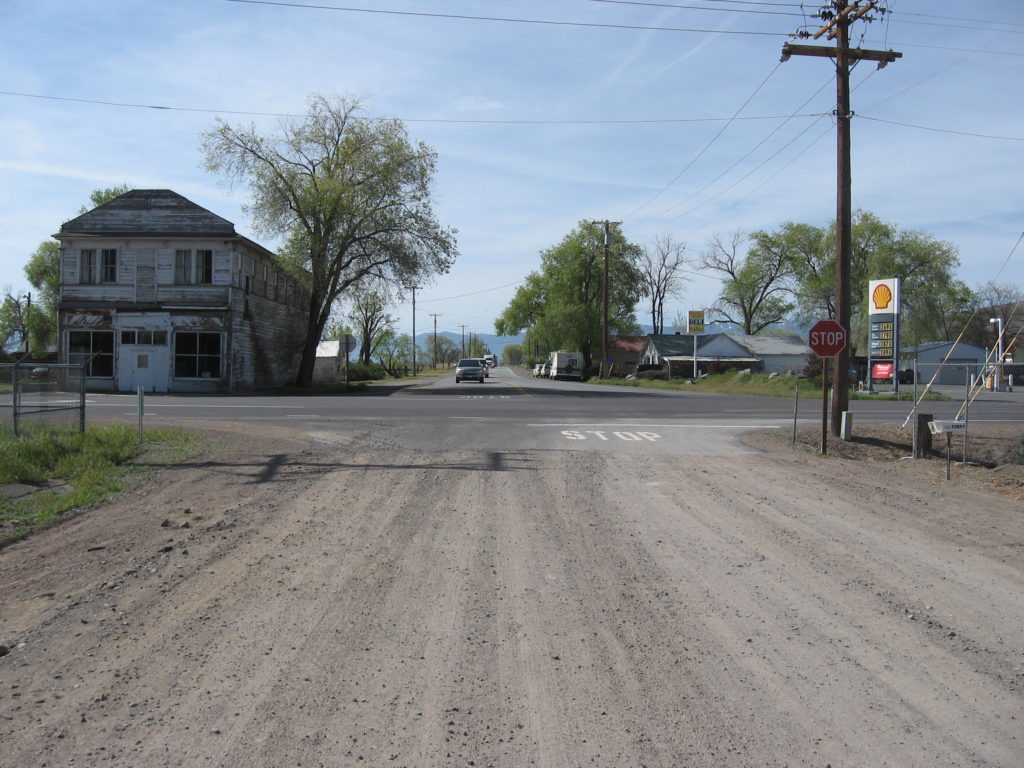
x=95, y=349
x=196, y=355
x=87, y=266
x=145, y=338
x=192, y=267
x=108, y=265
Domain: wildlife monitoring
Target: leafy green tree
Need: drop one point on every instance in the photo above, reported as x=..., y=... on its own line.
x=513, y=354
x=756, y=287
x=561, y=306
x=370, y=318
x=394, y=352
x=351, y=196
x=799, y=260
x=38, y=318
x=102, y=196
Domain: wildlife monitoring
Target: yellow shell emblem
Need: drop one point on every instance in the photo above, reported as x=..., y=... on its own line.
x=881, y=297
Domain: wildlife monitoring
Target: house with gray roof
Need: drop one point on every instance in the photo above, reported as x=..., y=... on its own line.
x=762, y=354
x=158, y=292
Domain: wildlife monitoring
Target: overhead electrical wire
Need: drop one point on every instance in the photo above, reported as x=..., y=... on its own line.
x=465, y=17
x=751, y=151
x=651, y=121
x=939, y=130
x=706, y=146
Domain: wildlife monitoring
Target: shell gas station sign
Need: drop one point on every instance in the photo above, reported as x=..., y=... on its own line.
x=883, y=331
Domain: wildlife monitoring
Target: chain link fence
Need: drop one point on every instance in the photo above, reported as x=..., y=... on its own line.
x=41, y=397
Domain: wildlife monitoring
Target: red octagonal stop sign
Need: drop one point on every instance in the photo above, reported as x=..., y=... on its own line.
x=827, y=338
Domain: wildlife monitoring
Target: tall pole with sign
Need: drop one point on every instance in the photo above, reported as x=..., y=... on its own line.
x=827, y=339
x=884, y=331
x=696, y=325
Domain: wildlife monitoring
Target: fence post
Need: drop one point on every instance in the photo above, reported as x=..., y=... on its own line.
x=81, y=399
x=141, y=391
x=15, y=398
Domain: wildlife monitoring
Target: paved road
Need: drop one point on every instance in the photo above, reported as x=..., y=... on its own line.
x=513, y=410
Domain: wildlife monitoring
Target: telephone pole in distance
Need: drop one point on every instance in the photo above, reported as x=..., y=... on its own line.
x=604, y=296
x=839, y=17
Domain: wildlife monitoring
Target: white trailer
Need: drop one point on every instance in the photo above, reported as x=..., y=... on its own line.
x=566, y=365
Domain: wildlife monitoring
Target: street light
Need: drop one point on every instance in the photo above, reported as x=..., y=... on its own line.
x=999, y=352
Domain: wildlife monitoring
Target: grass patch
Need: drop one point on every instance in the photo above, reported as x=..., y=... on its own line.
x=73, y=469
x=735, y=383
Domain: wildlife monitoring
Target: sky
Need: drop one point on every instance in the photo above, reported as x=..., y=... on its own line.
x=673, y=117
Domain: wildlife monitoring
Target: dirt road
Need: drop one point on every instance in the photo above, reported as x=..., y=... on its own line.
x=289, y=602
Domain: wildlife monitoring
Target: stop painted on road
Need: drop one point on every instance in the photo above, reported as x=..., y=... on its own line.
x=600, y=434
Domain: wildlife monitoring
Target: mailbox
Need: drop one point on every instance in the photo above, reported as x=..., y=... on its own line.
x=940, y=427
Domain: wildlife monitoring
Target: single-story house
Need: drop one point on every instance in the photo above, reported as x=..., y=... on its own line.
x=625, y=352
x=962, y=361
x=778, y=354
x=159, y=293
x=676, y=351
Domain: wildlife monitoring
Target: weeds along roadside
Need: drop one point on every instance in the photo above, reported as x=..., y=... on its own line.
x=45, y=475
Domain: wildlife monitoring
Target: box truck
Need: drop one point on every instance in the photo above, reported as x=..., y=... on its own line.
x=566, y=365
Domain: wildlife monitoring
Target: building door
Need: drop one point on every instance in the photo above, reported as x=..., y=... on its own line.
x=143, y=361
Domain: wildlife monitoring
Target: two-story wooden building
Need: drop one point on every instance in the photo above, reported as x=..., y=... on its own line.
x=160, y=293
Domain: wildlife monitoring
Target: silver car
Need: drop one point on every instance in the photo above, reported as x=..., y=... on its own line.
x=469, y=368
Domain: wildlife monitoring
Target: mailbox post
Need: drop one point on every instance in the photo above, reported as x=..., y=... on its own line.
x=947, y=428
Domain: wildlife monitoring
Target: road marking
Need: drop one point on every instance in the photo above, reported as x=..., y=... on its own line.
x=168, y=405
x=664, y=426
x=629, y=437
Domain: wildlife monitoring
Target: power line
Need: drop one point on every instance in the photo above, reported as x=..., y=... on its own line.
x=464, y=17
x=706, y=146
x=941, y=130
x=638, y=121
x=704, y=7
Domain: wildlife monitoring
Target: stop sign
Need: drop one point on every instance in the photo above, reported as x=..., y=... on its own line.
x=827, y=338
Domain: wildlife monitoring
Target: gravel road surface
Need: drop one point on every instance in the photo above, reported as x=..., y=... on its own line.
x=290, y=601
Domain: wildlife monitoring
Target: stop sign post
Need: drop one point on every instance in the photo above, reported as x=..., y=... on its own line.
x=827, y=338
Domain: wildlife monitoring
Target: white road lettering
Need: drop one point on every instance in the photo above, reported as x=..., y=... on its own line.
x=629, y=437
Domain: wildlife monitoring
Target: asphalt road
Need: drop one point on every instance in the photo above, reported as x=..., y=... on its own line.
x=513, y=410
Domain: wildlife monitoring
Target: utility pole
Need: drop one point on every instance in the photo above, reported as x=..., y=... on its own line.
x=604, y=295
x=839, y=15
x=413, y=288
x=463, y=327
x=435, y=316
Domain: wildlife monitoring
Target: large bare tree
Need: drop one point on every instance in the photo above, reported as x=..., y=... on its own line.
x=662, y=264
x=350, y=195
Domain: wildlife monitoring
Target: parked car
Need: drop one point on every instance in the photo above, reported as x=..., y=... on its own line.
x=469, y=368
x=545, y=370
x=537, y=368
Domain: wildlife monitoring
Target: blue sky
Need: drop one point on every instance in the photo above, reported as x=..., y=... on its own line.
x=536, y=125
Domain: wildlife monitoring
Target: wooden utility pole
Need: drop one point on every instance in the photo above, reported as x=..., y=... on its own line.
x=435, y=316
x=463, y=327
x=839, y=15
x=413, y=289
x=604, y=295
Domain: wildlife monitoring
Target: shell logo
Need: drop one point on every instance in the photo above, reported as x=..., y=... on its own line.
x=881, y=297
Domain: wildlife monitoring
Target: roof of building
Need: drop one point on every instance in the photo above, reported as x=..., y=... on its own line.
x=328, y=348
x=151, y=213
x=770, y=345
x=972, y=348
x=628, y=343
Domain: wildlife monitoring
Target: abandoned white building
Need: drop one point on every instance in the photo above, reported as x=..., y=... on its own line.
x=158, y=292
